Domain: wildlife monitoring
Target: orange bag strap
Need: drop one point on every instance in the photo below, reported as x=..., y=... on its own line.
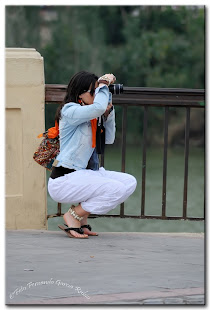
x=52, y=132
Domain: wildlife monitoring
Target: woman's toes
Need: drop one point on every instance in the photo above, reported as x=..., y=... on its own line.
x=89, y=232
x=84, y=235
x=77, y=235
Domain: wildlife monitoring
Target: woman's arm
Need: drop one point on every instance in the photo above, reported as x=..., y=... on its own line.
x=110, y=128
x=109, y=124
x=79, y=114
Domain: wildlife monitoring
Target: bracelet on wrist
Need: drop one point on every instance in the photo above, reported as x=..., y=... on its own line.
x=104, y=82
x=105, y=78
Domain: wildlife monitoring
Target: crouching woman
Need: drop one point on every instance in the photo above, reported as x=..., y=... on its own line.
x=76, y=177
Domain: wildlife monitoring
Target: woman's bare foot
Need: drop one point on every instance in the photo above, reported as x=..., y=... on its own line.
x=86, y=230
x=72, y=222
x=89, y=232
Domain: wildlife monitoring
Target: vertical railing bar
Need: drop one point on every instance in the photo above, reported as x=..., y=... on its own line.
x=144, y=161
x=102, y=160
x=124, y=127
x=186, y=151
x=165, y=161
x=59, y=209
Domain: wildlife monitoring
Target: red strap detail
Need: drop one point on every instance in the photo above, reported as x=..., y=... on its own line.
x=94, y=128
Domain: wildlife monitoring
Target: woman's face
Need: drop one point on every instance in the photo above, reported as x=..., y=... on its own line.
x=87, y=97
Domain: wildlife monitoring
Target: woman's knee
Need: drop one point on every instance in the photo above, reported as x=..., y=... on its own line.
x=134, y=182
x=131, y=183
x=117, y=190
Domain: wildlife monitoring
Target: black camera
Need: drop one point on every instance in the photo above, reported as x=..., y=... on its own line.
x=116, y=89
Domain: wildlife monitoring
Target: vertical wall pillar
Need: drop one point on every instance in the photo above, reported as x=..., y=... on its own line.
x=26, y=206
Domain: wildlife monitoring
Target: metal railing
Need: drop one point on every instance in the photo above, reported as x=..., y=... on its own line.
x=146, y=97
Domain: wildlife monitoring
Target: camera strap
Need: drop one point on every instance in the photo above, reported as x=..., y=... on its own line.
x=100, y=136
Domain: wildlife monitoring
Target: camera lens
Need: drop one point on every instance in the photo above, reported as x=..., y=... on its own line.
x=116, y=89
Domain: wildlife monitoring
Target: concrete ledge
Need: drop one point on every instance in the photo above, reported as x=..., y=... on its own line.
x=181, y=234
x=22, y=53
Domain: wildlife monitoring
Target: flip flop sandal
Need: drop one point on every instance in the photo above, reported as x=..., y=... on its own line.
x=89, y=227
x=67, y=231
x=86, y=226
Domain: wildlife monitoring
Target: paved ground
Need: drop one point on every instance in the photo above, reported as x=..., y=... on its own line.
x=47, y=267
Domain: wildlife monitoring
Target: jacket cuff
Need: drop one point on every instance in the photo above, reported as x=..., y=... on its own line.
x=102, y=86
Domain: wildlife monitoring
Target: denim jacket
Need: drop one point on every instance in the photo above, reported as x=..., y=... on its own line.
x=75, y=131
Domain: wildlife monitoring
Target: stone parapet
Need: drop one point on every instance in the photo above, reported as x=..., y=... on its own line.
x=25, y=103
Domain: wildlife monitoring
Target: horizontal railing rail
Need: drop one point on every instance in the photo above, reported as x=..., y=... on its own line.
x=173, y=97
x=146, y=97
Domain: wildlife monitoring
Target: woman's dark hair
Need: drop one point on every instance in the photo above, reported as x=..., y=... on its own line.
x=79, y=83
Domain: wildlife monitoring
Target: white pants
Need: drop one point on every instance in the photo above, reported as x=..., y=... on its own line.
x=98, y=191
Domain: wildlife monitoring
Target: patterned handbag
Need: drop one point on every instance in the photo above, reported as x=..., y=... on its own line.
x=49, y=148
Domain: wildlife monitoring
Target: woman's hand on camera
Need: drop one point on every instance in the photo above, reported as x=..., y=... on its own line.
x=111, y=77
x=108, y=79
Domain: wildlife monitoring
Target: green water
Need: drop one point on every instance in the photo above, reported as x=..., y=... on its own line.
x=153, y=195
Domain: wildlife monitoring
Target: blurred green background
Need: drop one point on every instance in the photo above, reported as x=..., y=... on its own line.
x=144, y=46
x=154, y=46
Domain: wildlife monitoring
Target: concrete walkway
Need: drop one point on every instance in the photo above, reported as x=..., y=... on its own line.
x=47, y=267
